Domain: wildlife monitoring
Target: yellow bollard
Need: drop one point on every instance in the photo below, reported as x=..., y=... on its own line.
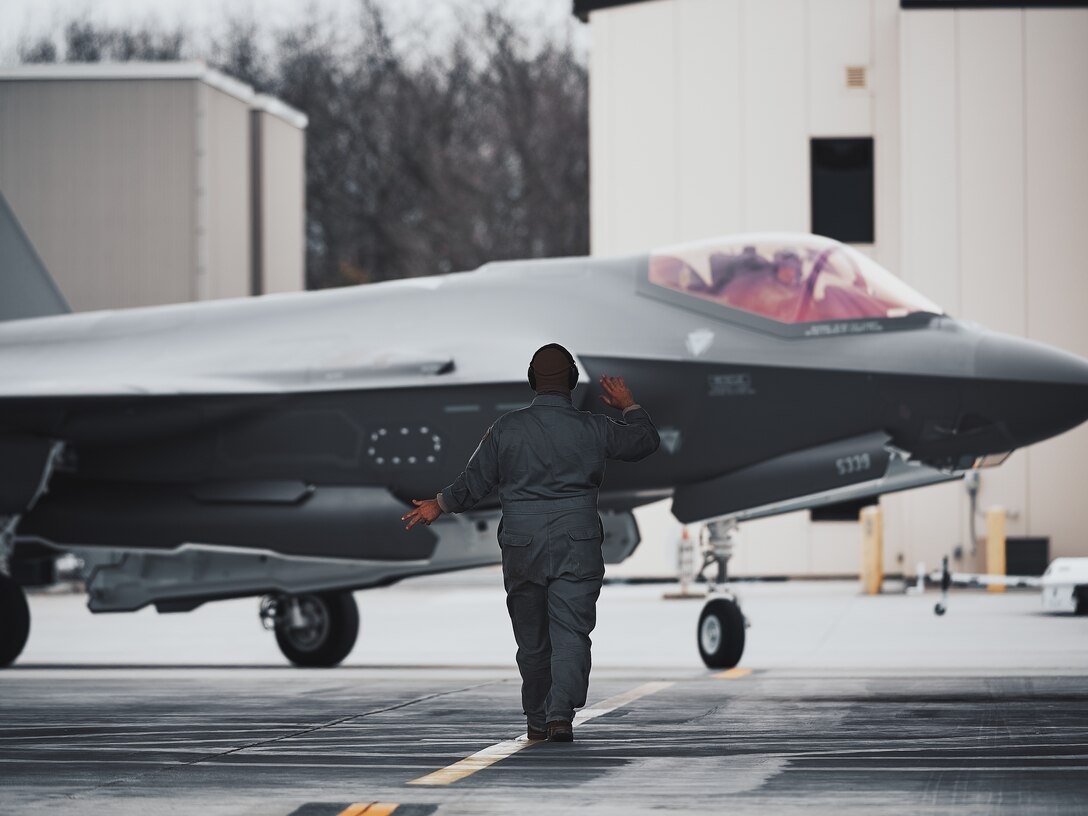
x=995, y=545
x=872, y=549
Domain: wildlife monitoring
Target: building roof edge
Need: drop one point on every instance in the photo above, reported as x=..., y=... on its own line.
x=186, y=69
x=280, y=109
x=582, y=8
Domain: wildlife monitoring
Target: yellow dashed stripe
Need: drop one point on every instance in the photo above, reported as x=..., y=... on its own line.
x=369, y=809
x=733, y=674
x=477, y=762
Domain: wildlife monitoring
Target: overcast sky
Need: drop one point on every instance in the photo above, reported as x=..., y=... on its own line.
x=21, y=19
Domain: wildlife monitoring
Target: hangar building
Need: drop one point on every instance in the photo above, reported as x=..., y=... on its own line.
x=149, y=183
x=949, y=140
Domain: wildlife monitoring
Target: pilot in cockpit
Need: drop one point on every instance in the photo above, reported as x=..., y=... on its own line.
x=785, y=284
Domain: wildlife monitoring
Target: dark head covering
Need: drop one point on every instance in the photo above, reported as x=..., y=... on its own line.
x=552, y=368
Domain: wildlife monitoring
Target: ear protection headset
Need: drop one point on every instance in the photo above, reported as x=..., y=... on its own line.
x=572, y=373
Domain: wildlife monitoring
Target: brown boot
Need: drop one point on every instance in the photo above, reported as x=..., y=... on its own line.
x=536, y=734
x=560, y=731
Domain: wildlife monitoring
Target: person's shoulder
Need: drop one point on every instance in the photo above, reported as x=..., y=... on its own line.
x=515, y=415
x=600, y=420
x=511, y=419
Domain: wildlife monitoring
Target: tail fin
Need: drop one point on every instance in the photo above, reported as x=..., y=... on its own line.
x=26, y=288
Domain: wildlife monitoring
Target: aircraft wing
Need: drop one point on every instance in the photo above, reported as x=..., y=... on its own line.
x=68, y=370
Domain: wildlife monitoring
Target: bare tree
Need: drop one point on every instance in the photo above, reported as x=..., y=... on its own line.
x=42, y=49
x=84, y=41
x=239, y=53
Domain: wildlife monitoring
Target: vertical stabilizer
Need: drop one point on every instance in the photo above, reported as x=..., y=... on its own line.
x=26, y=288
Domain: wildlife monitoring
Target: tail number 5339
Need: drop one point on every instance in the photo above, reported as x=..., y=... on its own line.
x=855, y=463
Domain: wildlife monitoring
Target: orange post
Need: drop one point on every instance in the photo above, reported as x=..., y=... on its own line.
x=872, y=550
x=995, y=545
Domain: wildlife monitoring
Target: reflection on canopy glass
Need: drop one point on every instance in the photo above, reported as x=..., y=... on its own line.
x=802, y=280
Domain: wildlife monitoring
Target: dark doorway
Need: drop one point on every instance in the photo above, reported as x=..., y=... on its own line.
x=842, y=189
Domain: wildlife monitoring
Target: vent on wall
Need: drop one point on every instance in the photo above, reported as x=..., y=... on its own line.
x=856, y=76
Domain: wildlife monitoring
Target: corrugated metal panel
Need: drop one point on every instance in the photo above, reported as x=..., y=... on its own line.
x=283, y=203
x=227, y=193
x=100, y=173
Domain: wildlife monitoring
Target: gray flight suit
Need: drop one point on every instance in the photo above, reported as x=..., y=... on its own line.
x=548, y=461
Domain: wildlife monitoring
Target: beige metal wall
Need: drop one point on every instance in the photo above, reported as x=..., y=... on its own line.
x=701, y=113
x=282, y=193
x=700, y=117
x=136, y=187
x=83, y=159
x=995, y=200
x=223, y=195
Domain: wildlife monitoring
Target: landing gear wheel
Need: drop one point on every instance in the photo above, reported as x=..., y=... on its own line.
x=14, y=620
x=721, y=634
x=317, y=630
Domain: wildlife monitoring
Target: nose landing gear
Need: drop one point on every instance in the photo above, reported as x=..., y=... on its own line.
x=721, y=623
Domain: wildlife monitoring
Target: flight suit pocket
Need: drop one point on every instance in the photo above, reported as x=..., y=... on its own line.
x=516, y=555
x=586, y=560
x=508, y=538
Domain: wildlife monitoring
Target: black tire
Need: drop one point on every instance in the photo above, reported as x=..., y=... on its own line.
x=330, y=642
x=14, y=620
x=721, y=634
x=1080, y=595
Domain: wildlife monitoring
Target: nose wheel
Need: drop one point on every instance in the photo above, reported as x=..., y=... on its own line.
x=721, y=634
x=721, y=623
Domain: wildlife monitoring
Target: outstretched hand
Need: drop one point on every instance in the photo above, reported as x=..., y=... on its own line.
x=616, y=393
x=427, y=510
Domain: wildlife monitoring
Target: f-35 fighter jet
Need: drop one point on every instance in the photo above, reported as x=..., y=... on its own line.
x=268, y=446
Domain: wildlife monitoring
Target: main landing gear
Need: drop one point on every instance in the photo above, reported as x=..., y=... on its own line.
x=318, y=629
x=14, y=620
x=721, y=624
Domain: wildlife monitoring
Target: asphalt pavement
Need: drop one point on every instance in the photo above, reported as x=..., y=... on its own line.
x=843, y=703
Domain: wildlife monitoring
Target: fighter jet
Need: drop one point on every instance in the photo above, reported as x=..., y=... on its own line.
x=268, y=446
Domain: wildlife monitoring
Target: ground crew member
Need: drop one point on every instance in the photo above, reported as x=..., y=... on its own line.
x=547, y=461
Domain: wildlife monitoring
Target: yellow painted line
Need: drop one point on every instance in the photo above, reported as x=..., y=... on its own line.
x=612, y=703
x=477, y=762
x=733, y=674
x=501, y=750
x=369, y=809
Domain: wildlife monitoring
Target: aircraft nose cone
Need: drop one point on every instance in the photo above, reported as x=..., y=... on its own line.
x=1038, y=390
x=1003, y=357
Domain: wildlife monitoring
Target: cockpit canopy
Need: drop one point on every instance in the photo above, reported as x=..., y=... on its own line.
x=787, y=278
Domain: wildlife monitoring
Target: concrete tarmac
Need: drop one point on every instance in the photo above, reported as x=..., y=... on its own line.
x=843, y=703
